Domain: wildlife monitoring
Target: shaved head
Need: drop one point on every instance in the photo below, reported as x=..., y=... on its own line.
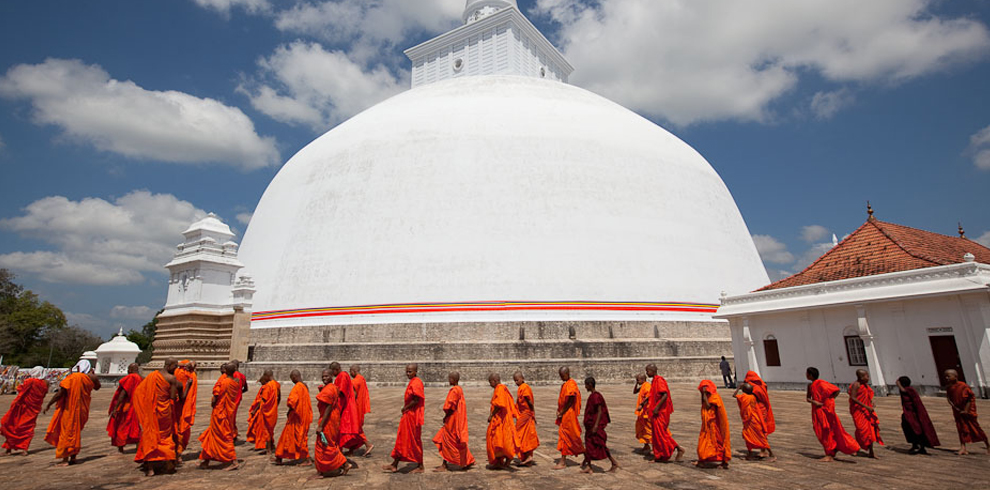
x=133, y=368
x=454, y=378
x=355, y=370
x=640, y=378
x=295, y=376
x=565, y=373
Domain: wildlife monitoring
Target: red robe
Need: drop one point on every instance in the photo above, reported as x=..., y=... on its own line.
x=826, y=422
x=261, y=425
x=867, y=423
x=762, y=395
x=500, y=440
x=327, y=455
x=218, y=439
x=713, y=440
x=595, y=444
x=526, y=438
x=17, y=425
x=155, y=410
x=409, y=441
x=967, y=425
x=187, y=412
x=362, y=401
x=294, y=442
x=124, y=428
x=72, y=412
x=452, y=439
x=664, y=444
x=239, y=376
x=350, y=428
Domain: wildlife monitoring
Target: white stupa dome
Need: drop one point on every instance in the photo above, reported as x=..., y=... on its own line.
x=496, y=190
x=118, y=345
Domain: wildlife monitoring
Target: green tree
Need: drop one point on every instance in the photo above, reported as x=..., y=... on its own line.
x=144, y=338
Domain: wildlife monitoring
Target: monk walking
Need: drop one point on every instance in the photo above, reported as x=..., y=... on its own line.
x=452, y=439
x=660, y=409
x=833, y=437
x=526, y=438
x=863, y=413
x=218, y=439
x=17, y=425
x=713, y=440
x=644, y=429
x=754, y=426
x=349, y=437
x=501, y=436
x=595, y=439
x=362, y=401
x=568, y=409
x=263, y=413
x=963, y=403
x=185, y=375
x=71, y=413
x=239, y=376
x=123, y=426
x=409, y=441
x=762, y=394
x=294, y=442
x=329, y=461
x=155, y=405
x=917, y=426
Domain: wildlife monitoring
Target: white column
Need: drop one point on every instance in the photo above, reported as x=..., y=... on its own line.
x=754, y=365
x=872, y=358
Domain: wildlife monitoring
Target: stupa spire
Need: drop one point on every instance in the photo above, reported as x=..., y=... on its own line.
x=478, y=9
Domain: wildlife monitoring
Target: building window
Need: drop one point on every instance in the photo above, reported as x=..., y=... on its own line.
x=771, y=351
x=855, y=351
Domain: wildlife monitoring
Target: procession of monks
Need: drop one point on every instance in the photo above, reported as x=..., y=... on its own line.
x=156, y=413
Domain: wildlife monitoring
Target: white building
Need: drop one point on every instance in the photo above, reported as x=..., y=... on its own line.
x=113, y=357
x=891, y=299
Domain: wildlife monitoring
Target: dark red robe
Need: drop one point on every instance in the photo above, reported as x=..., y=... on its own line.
x=594, y=444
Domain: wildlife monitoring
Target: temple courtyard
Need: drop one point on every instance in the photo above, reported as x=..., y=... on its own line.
x=794, y=442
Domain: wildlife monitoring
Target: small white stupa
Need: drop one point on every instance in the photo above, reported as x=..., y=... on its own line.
x=113, y=357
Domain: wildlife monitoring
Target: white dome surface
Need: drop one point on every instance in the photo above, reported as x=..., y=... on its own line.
x=496, y=189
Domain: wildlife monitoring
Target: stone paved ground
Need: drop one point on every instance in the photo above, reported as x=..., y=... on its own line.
x=794, y=441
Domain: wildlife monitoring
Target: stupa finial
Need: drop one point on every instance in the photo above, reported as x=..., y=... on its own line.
x=869, y=209
x=962, y=232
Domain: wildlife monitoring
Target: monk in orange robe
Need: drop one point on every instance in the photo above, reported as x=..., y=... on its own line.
x=71, y=413
x=568, y=409
x=963, y=403
x=123, y=426
x=713, y=440
x=863, y=413
x=218, y=439
x=239, y=376
x=263, y=413
x=644, y=429
x=362, y=400
x=762, y=394
x=294, y=442
x=660, y=409
x=185, y=375
x=526, y=438
x=329, y=460
x=452, y=439
x=155, y=405
x=596, y=418
x=17, y=425
x=349, y=437
x=501, y=436
x=408, y=442
x=833, y=437
x=754, y=426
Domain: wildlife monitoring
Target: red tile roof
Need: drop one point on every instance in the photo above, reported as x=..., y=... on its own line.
x=878, y=248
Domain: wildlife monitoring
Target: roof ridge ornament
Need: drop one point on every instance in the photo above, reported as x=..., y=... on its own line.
x=869, y=210
x=962, y=232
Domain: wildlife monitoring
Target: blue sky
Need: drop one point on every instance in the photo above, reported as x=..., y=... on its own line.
x=122, y=121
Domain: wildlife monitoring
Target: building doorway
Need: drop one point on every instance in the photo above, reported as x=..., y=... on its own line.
x=946, y=356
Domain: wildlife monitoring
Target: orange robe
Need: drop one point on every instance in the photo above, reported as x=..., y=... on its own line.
x=713, y=440
x=187, y=414
x=261, y=425
x=754, y=426
x=526, y=438
x=501, y=438
x=155, y=411
x=327, y=454
x=644, y=429
x=294, y=442
x=218, y=439
x=664, y=444
x=350, y=429
x=71, y=414
x=239, y=376
x=124, y=428
x=17, y=425
x=762, y=395
x=967, y=424
x=825, y=421
x=362, y=402
x=867, y=423
x=452, y=439
x=409, y=441
x=569, y=441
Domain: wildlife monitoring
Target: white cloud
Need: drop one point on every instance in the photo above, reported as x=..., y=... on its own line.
x=812, y=254
x=132, y=312
x=827, y=104
x=772, y=250
x=979, y=145
x=984, y=239
x=100, y=242
x=302, y=83
x=813, y=233
x=690, y=61
x=778, y=274
x=121, y=117
x=244, y=218
x=225, y=6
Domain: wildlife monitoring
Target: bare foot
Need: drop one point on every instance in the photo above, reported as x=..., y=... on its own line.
x=233, y=466
x=204, y=465
x=614, y=468
x=308, y=462
x=962, y=452
x=468, y=467
x=772, y=459
x=587, y=470
x=419, y=469
x=440, y=469
x=389, y=468
x=347, y=467
x=561, y=465
x=680, y=454
x=724, y=465
x=367, y=452
x=827, y=459
x=24, y=452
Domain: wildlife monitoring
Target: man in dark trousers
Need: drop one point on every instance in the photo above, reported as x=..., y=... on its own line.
x=726, y=373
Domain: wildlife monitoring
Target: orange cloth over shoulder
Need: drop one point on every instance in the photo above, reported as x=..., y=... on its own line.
x=825, y=421
x=187, y=414
x=155, y=407
x=261, y=425
x=362, y=401
x=713, y=440
x=569, y=441
x=17, y=425
x=967, y=423
x=408, y=442
x=218, y=439
x=452, y=439
x=72, y=412
x=350, y=428
x=294, y=442
x=664, y=444
x=327, y=454
x=124, y=427
x=526, y=438
x=762, y=394
x=644, y=429
x=501, y=437
x=754, y=428
x=867, y=423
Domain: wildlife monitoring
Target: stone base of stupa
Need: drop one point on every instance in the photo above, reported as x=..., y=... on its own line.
x=609, y=351
x=209, y=338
